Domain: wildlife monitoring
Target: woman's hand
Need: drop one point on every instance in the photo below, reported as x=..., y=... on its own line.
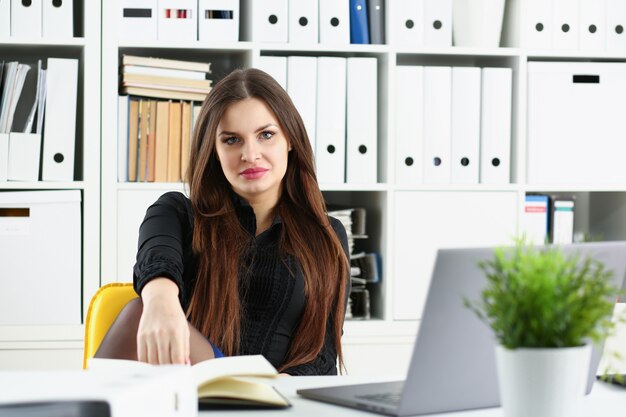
x=163, y=334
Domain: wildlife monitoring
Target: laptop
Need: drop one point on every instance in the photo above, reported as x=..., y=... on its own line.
x=453, y=365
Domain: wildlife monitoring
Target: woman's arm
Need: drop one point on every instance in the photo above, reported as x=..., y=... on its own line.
x=326, y=361
x=163, y=235
x=163, y=334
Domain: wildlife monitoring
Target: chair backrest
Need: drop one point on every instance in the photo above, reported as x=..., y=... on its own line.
x=104, y=307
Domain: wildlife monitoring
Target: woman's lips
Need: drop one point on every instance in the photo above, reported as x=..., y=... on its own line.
x=253, y=173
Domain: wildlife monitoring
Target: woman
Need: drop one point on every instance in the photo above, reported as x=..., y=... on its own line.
x=251, y=259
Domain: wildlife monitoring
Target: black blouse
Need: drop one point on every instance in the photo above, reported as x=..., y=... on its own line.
x=272, y=297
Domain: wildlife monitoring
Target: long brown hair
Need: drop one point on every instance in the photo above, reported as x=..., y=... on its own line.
x=220, y=240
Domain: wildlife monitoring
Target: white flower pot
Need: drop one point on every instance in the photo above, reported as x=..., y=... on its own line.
x=477, y=23
x=542, y=382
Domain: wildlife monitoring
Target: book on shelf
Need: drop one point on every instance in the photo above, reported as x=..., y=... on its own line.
x=131, y=79
x=234, y=381
x=162, y=138
x=163, y=94
x=164, y=72
x=144, y=61
x=535, y=221
x=167, y=87
x=151, y=153
x=185, y=145
x=144, y=115
x=156, y=140
x=562, y=220
x=133, y=140
x=174, y=142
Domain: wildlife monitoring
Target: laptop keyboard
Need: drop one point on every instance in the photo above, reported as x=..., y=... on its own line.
x=390, y=398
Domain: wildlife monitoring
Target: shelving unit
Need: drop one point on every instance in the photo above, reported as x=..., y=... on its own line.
x=405, y=223
x=403, y=220
x=61, y=346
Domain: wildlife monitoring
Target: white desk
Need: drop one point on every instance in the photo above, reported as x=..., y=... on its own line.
x=604, y=400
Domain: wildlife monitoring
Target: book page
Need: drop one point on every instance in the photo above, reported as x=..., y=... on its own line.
x=242, y=388
x=250, y=365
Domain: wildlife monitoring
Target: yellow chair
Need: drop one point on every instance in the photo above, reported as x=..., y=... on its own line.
x=104, y=307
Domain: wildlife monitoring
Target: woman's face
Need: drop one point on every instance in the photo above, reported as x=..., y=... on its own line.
x=252, y=150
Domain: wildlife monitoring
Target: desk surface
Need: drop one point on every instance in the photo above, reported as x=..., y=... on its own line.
x=604, y=400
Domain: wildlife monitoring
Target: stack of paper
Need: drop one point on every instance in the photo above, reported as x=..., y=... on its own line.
x=22, y=96
x=353, y=220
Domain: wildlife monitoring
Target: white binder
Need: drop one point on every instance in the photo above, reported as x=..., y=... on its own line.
x=60, y=122
x=409, y=121
x=26, y=18
x=276, y=66
x=266, y=20
x=58, y=19
x=330, y=155
x=218, y=20
x=566, y=25
x=5, y=19
x=528, y=24
x=362, y=121
x=406, y=22
x=334, y=22
x=593, y=25
x=437, y=124
x=4, y=155
x=137, y=20
x=24, y=156
x=437, y=23
x=576, y=126
x=477, y=23
x=495, y=122
x=177, y=20
x=302, y=88
x=616, y=25
x=303, y=22
x=465, y=143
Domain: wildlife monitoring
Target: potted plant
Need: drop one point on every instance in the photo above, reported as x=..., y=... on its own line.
x=545, y=308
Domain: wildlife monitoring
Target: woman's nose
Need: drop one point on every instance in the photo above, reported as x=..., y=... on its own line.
x=250, y=151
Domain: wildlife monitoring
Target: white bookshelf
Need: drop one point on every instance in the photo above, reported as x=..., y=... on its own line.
x=384, y=335
x=55, y=346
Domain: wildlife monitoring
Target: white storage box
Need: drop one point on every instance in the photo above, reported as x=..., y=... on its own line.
x=40, y=258
x=576, y=123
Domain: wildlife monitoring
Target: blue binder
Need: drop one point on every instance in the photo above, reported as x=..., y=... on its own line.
x=359, y=32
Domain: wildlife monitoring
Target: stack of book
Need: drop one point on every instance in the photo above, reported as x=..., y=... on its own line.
x=548, y=219
x=154, y=138
x=165, y=78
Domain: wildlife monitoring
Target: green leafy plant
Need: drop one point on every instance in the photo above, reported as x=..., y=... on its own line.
x=540, y=297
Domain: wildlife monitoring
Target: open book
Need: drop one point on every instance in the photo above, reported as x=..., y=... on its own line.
x=224, y=382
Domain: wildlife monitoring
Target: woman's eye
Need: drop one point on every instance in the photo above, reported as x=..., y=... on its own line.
x=267, y=135
x=231, y=140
